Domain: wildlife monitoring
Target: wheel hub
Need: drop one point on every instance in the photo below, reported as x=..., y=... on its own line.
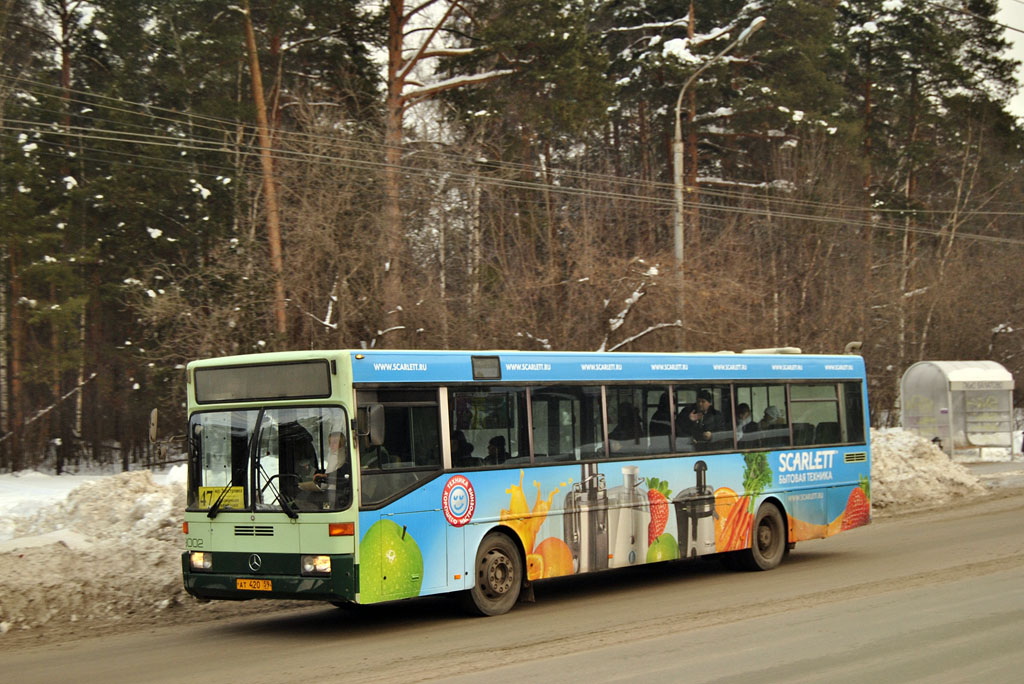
x=764, y=537
x=498, y=574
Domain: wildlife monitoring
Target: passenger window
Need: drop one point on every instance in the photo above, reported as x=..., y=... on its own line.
x=659, y=420
x=854, y=411
x=815, y=410
x=639, y=420
x=766, y=425
x=411, y=451
x=703, y=418
x=627, y=434
x=488, y=426
x=567, y=424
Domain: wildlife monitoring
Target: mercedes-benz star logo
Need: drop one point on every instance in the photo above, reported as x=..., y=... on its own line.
x=255, y=562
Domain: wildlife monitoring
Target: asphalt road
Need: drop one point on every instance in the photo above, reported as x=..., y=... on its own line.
x=935, y=596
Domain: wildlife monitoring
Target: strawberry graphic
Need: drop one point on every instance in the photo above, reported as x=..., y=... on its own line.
x=657, y=494
x=858, y=506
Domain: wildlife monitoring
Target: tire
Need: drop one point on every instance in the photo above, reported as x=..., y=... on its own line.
x=768, y=539
x=498, y=576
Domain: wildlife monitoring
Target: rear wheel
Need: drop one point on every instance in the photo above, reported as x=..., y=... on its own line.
x=768, y=539
x=497, y=576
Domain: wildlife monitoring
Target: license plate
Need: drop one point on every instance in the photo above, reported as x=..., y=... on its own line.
x=253, y=584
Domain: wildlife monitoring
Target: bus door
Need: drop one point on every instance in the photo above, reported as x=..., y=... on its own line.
x=411, y=554
x=404, y=548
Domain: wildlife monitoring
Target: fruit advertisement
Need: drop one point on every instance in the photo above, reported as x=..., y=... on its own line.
x=584, y=517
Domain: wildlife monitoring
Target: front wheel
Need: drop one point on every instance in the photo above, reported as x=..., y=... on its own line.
x=497, y=576
x=768, y=543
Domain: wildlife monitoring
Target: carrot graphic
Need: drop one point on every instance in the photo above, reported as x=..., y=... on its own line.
x=757, y=475
x=738, y=525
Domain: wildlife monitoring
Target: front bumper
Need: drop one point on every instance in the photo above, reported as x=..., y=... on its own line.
x=282, y=569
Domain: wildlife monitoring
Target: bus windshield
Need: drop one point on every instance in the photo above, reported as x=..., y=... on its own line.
x=292, y=459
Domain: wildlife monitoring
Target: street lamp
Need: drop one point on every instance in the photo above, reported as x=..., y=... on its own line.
x=677, y=143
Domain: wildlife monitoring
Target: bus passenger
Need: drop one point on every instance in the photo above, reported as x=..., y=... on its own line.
x=744, y=421
x=462, y=450
x=296, y=446
x=335, y=473
x=337, y=456
x=772, y=418
x=496, y=451
x=661, y=419
x=630, y=428
x=700, y=420
x=309, y=471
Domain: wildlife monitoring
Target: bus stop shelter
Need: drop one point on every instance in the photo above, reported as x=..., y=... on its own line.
x=959, y=405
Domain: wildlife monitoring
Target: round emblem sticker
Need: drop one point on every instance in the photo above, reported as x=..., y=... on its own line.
x=458, y=500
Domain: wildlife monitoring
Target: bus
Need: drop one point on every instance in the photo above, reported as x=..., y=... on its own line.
x=362, y=476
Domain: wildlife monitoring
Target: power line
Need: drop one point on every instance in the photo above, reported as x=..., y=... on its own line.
x=218, y=125
x=220, y=146
x=280, y=155
x=973, y=15
x=666, y=203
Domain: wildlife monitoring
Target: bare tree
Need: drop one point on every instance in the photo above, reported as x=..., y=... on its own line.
x=269, y=181
x=417, y=36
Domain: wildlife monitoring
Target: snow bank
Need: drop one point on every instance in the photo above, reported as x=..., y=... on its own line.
x=110, y=551
x=121, y=508
x=27, y=491
x=908, y=470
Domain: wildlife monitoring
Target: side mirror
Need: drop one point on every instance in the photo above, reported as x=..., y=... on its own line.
x=370, y=423
x=152, y=425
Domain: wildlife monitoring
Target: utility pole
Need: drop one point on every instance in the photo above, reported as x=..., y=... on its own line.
x=677, y=143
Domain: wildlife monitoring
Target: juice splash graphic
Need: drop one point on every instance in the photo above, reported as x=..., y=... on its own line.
x=527, y=523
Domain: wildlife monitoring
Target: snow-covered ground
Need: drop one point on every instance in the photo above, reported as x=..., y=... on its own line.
x=103, y=549
x=100, y=548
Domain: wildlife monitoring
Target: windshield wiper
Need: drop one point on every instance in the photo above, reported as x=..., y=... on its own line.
x=257, y=468
x=277, y=494
x=251, y=451
x=284, y=506
x=220, y=499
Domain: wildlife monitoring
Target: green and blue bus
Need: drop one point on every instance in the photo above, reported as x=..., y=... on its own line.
x=361, y=476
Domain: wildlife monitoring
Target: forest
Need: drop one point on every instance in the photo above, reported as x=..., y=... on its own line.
x=192, y=178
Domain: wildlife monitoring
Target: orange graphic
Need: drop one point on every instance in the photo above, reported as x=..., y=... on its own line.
x=732, y=526
x=556, y=558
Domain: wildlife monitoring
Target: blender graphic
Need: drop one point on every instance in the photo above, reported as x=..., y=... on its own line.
x=586, y=521
x=629, y=517
x=695, y=516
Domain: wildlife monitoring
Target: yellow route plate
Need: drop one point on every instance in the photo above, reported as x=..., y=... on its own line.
x=234, y=497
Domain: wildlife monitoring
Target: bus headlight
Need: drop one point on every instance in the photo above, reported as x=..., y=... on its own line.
x=316, y=565
x=200, y=561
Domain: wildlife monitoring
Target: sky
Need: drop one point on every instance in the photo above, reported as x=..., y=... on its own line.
x=1011, y=13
